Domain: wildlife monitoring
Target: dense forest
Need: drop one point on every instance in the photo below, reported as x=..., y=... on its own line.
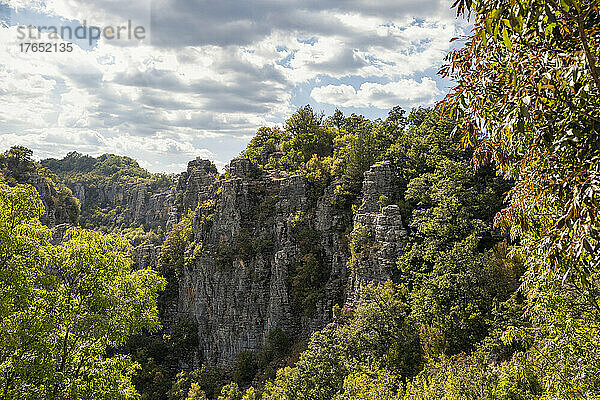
x=440, y=253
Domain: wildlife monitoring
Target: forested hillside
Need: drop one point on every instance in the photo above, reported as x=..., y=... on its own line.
x=60, y=205
x=440, y=253
x=116, y=194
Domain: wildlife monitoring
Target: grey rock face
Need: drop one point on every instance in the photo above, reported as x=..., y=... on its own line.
x=390, y=237
x=238, y=289
x=58, y=233
x=239, y=167
x=378, y=181
x=145, y=256
x=194, y=182
x=139, y=202
x=48, y=195
x=384, y=226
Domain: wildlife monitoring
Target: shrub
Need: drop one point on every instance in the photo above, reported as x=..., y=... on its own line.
x=245, y=367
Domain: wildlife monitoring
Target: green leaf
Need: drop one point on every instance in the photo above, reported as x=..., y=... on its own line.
x=506, y=39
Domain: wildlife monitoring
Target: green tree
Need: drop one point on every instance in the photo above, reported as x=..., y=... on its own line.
x=308, y=136
x=528, y=100
x=230, y=391
x=245, y=367
x=95, y=176
x=18, y=166
x=72, y=162
x=206, y=379
x=177, y=245
x=63, y=306
x=195, y=393
x=475, y=377
x=377, y=336
x=377, y=384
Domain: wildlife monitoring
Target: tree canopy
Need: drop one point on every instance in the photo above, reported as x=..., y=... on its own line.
x=527, y=99
x=63, y=306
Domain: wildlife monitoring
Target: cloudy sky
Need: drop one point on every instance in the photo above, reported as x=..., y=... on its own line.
x=208, y=73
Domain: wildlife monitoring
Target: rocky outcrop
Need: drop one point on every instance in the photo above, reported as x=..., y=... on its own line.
x=383, y=225
x=58, y=233
x=256, y=237
x=378, y=181
x=193, y=184
x=388, y=240
x=59, y=208
x=241, y=285
x=139, y=203
x=145, y=256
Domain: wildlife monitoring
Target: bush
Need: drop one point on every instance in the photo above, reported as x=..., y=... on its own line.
x=361, y=239
x=278, y=341
x=207, y=380
x=383, y=201
x=224, y=256
x=245, y=367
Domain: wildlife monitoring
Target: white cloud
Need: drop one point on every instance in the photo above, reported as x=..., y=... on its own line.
x=213, y=73
x=405, y=92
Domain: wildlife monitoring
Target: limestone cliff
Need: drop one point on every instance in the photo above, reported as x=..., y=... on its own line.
x=262, y=237
x=268, y=249
x=140, y=204
x=60, y=206
x=382, y=225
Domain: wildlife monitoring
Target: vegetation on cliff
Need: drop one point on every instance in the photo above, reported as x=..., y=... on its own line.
x=106, y=183
x=451, y=278
x=325, y=149
x=78, y=168
x=527, y=101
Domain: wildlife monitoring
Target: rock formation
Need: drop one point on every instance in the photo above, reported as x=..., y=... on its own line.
x=383, y=224
x=241, y=286
x=141, y=204
x=145, y=256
